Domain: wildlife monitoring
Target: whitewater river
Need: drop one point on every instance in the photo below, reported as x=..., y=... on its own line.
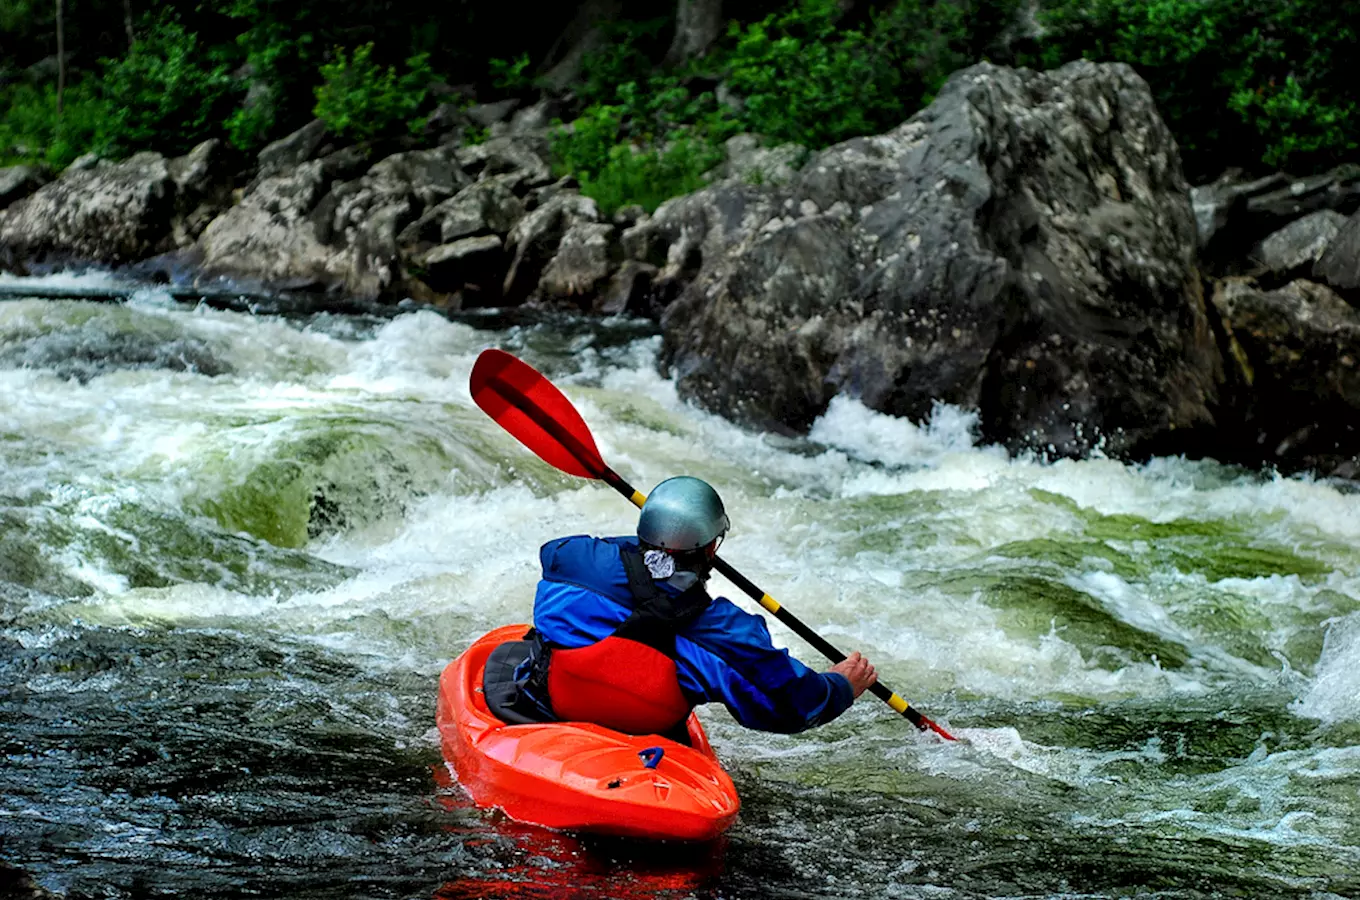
x=236, y=552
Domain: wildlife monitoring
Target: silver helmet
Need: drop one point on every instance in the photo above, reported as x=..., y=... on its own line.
x=682, y=513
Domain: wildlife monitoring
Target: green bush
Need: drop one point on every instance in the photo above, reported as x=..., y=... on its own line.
x=650, y=177
x=31, y=132
x=361, y=99
x=168, y=92
x=1238, y=81
x=805, y=79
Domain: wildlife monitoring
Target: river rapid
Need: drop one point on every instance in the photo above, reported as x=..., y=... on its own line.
x=236, y=552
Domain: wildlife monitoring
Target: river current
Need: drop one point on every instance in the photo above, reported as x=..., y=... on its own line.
x=236, y=552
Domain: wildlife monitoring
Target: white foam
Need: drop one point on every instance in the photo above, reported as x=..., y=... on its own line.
x=1335, y=692
x=85, y=279
x=865, y=434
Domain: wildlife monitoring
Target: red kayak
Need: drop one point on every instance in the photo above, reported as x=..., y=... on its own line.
x=575, y=776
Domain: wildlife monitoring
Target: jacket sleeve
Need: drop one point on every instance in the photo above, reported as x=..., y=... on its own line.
x=727, y=656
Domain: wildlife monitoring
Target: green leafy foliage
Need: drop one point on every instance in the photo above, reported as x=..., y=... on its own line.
x=650, y=177
x=1238, y=81
x=32, y=132
x=801, y=76
x=619, y=172
x=511, y=74
x=359, y=98
x=168, y=91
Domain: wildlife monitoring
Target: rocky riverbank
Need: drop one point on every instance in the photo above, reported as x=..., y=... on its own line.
x=1027, y=246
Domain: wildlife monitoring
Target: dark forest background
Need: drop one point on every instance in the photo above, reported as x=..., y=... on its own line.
x=648, y=90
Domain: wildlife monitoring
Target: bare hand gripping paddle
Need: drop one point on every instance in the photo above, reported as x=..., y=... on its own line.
x=530, y=407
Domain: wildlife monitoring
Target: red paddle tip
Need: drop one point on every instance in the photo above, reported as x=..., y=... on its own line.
x=529, y=406
x=938, y=730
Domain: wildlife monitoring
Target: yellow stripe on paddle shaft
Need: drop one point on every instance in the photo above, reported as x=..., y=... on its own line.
x=638, y=499
x=769, y=603
x=899, y=704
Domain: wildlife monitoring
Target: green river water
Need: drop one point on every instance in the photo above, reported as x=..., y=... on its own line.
x=236, y=553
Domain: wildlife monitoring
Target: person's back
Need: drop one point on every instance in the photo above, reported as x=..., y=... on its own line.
x=626, y=635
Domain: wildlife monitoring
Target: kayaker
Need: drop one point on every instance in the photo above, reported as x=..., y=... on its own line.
x=625, y=635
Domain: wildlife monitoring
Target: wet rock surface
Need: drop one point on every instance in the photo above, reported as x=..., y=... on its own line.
x=17, y=182
x=114, y=212
x=1024, y=246
x=1294, y=357
x=1339, y=263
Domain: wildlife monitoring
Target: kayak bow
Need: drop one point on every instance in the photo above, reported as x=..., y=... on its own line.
x=575, y=776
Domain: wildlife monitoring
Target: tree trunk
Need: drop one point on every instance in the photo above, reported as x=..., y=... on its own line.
x=582, y=35
x=127, y=23
x=61, y=58
x=698, y=23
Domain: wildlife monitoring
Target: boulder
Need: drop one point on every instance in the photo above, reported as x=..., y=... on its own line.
x=268, y=237
x=1338, y=190
x=521, y=155
x=17, y=182
x=1295, y=355
x=447, y=123
x=535, y=238
x=289, y=152
x=1339, y=265
x=312, y=229
x=1025, y=247
x=627, y=290
x=488, y=206
x=470, y=268
x=1218, y=204
x=100, y=211
x=1233, y=214
x=538, y=117
x=202, y=179
x=746, y=158
x=1300, y=243
x=580, y=266
x=429, y=176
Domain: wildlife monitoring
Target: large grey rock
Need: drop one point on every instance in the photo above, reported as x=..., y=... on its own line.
x=1233, y=214
x=1338, y=190
x=1023, y=247
x=580, y=266
x=523, y=155
x=488, y=206
x=119, y=213
x=429, y=176
x=293, y=150
x=310, y=228
x=1300, y=243
x=268, y=237
x=106, y=212
x=1339, y=266
x=538, y=117
x=470, y=269
x=535, y=238
x=488, y=114
x=1295, y=354
x=1217, y=204
x=17, y=182
x=627, y=290
x=745, y=158
x=202, y=180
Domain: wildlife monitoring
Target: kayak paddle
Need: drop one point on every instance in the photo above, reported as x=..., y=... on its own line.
x=529, y=406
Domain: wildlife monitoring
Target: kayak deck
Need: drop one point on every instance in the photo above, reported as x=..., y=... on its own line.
x=576, y=776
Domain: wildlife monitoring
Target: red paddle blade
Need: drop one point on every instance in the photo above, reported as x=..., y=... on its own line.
x=530, y=407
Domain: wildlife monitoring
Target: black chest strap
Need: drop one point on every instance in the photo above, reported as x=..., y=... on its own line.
x=658, y=616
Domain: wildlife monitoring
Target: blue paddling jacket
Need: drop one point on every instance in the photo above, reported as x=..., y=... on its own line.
x=724, y=655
